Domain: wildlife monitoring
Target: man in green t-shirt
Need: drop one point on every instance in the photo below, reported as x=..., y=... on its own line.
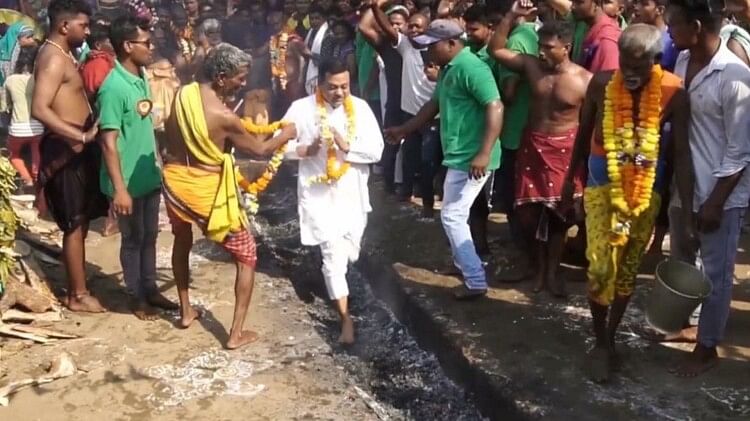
x=516, y=92
x=470, y=121
x=130, y=175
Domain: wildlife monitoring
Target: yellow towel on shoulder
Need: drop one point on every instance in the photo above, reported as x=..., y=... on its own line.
x=226, y=215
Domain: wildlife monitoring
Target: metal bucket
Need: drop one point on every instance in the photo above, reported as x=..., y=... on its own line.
x=679, y=289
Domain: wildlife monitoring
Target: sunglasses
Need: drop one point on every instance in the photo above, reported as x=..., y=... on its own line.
x=147, y=43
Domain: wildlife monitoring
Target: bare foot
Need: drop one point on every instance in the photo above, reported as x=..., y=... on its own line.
x=143, y=311
x=700, y=360
x=158, y=300
x=347, y=331
x=83, y=303
x=188, y=318
x=598, y=364
x=245, y=338
x=687, y=335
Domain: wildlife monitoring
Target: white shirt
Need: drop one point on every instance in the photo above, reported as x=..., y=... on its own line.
x=19, y=89
x=330, y=211
x=719, y=128
x=416, y=89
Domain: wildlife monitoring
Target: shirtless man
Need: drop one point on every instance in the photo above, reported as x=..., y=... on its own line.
x=289, y=85
x=194, y=182
x=615, y=235
x=69, y=169
x=558, y=89
x=268, y=101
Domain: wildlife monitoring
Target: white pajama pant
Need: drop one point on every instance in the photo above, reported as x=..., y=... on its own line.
x=337, y=254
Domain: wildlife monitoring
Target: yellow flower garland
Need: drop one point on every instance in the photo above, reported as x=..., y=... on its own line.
x=278, y=47
x=187, y=45
x=255, y=188
x=632, y=152
x=334, y=169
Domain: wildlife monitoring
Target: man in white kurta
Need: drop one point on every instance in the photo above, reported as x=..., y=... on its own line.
x=334, y=215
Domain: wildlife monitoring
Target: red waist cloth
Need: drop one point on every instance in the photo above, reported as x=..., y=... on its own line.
x=542, y=163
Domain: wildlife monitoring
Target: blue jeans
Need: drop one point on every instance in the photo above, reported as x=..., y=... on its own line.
x=718, y=251
x=138, y=245
x=459, y=192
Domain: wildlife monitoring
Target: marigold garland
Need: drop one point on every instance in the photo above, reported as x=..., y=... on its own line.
x=632, y=151
x=187, y=45
x=334, y=168
x=278, y=47
x=258, y=186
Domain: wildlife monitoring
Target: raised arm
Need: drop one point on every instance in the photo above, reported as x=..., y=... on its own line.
x=562, y=7
x=252, y=143
x=508, y=58
x=390, y=33
x=48, y=76
x=370, y=29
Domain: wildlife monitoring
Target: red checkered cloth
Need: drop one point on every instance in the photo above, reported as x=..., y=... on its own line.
x=242, y=246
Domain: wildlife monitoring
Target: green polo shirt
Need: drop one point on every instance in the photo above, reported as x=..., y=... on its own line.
x=580, y=29
x=523, y=40
x=485, y=56
x=117, y=102
x=463, y=93
x=365, y=55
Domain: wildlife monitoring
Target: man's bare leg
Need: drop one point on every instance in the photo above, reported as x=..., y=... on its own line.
x=598, y=360
x=616, y=311
x=555, y=244
x=243, y=292
x=74, y=254
x=540, y=254
x=660, y=231
x=183, y=242
x=347, y=324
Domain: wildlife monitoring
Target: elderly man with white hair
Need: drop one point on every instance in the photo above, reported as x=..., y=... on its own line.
x=201, y=183
x=623, y=125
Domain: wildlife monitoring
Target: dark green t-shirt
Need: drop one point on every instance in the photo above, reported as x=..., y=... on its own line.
x=365, y=55
x=524, y=40
x=118, y=102
x=462, y=93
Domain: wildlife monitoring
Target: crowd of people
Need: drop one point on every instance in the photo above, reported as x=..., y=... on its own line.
x=621, y=117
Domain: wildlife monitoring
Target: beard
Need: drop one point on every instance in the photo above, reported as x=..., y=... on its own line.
x=633, y=83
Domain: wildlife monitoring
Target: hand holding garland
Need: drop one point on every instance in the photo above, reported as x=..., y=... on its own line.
x=259, y=185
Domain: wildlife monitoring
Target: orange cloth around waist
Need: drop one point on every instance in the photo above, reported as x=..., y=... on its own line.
x=190, y=192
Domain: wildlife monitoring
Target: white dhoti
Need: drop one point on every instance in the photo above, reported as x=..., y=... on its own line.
x=334, y=216
x=337, y=254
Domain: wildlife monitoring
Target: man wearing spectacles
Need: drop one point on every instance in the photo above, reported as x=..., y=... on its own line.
x=132, y=178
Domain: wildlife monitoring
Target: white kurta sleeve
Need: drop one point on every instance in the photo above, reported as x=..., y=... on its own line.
x=367, y=148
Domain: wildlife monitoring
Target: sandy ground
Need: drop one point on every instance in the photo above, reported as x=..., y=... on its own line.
x=533, y=346
x=133, y=370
